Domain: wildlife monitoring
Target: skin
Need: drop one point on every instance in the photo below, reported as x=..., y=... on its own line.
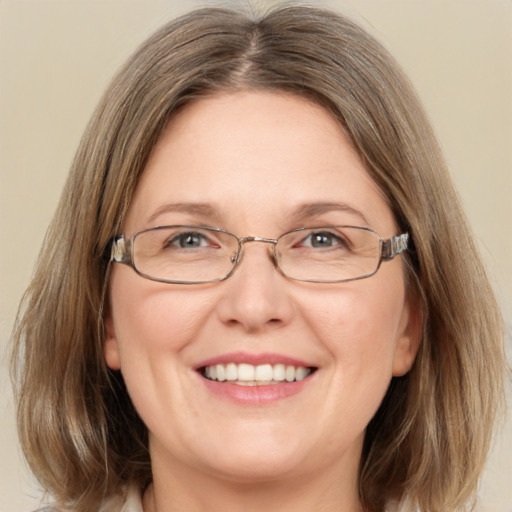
x=255, y=157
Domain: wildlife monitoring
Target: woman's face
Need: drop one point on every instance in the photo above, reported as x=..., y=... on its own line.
x=258, y=164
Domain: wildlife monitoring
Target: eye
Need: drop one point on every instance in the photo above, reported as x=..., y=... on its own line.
x=189, y=240
x=323, y=240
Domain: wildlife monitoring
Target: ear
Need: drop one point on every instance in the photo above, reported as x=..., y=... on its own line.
x=110, y=345
x=409, y=337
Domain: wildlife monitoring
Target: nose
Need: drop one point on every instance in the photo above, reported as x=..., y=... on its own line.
x=256, y=296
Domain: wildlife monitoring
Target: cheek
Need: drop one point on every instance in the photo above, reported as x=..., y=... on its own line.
x=153, y=327
x=151, y=319
x=359, y=324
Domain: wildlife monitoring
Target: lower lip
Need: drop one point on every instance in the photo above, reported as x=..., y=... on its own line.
x=255, y=395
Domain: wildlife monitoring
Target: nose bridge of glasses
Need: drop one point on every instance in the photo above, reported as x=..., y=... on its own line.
x=248, y=239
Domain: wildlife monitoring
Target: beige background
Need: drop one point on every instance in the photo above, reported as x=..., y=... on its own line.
x=56, y=58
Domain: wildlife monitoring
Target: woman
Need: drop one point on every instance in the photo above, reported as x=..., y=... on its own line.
x=259, y=289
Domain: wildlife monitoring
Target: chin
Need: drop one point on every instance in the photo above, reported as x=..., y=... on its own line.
x=257, y=469
x=247, y=462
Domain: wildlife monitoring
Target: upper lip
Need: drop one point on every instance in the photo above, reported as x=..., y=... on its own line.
x=254, y=359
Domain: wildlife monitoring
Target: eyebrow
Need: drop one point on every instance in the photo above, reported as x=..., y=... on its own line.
x=308, y=210
x=199, y=209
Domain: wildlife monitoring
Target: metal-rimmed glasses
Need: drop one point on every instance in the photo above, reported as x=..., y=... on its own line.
x=199, y=254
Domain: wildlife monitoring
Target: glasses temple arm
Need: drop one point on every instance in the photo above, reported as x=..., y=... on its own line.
x=394, y=246
x=120, y=251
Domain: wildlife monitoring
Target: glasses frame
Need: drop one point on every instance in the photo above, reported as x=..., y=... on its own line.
x=121, y=251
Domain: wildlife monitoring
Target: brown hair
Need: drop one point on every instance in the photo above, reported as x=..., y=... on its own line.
x=430, y=437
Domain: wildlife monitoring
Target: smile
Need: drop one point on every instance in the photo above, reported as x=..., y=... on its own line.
x=245, y=374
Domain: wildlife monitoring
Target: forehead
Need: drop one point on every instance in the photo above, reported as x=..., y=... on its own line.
x=254, y=156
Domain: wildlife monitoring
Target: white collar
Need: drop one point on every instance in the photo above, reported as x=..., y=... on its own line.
x=128, y=501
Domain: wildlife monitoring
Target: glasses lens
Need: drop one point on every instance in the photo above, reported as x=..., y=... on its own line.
x=185, y=254
x=329, y=254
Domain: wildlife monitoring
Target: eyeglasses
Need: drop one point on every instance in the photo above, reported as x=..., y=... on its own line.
x=199, y=254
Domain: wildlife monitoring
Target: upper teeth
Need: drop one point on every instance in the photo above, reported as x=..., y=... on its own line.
x=247, y=374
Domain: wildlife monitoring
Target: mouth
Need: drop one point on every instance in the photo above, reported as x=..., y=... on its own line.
x=245, y=374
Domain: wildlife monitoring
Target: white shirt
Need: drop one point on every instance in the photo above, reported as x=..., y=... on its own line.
x=130, y=502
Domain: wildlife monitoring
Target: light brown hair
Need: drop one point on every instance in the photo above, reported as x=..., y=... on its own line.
x=430, y=437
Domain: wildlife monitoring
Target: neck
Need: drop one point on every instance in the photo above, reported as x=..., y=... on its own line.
x=324, y=491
